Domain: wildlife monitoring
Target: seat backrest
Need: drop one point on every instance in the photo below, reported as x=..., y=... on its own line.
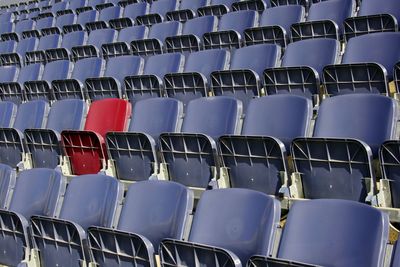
x=315, y=53
x=283, y=16
x=322, y=231
x=8, y=73
x=59, y=6
x=132, y=33
x=238, y=21
x=163, y=30
x=67, y=114
x=6, y=17
x=102, y=36
x=122, y=66
x=239, y=220
x=24, y=25
x=199, y=26
x=31, y=114
x=192, y=4
x=26, y=45
x=66, y=19
x=72, y=39
x=76, y=4
x=372, y=7
x=49, y=41
x=8, y=110
x=87, y=16
x=256, y=58
x=367, y=117
x=37, y=192
x=213, y=116
x=382, y=48
x=95, y=205
x=170, y=204
x=160, y=65
x=137, y=9
x=57, y=70
x=335, y=10
x=45, y=23
x=207, y=61
x=108, y=115
x=282, y=116
x=156, y=115
x=7, y=46
x=7, y=182
x=6, y=27
x=396, y=255
x=87, y=68
x=163, y=6
x=30, y=72
x=113, y=12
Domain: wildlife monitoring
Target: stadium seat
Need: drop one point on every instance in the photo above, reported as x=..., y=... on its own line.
x=274, y=25
x=7, y=184
x=93, y=46
x=193, y=82
x=336, y=162
x=373, y=16
x=110, y=85
x=301, y=68
x=331, y=233
x=41, y=89
x=242, y=80
x=150, y=83
x=13, y=91
x=229, y=226
x=8, y=110
x=131, y=12
x=107, y=14
x=216, y=8
x=63, y=51
x=20, y=27
x=17, y=58
x=230, y=30
x=257, y=158
x=122, y=46
x=256, y=5
x=40, y=24
x=73, y=87
x=83, y=18
x=74, y=6
x=364, y=69
x=132, y=155
x=59, y=241
x=85, y=150
x=54, y=10
x=190, y=40
x=36, y=192
x=140, y=229
x=324, y=20
x=61, y=21
x=190, y=157
x=187, y=10
x=154, y=43
x=157, y=12
x=396, y=255
x=7, y=47
x=45, y=42
x=43, y=145
x=6, y=27
x=8, y=73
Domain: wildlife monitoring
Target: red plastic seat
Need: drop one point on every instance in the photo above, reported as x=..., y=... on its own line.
x=86, y=149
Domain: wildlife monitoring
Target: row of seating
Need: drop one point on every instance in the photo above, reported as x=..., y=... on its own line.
x=229, y=226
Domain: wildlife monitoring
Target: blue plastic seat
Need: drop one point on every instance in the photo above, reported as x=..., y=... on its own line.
x=190, y=156
x=373, y=16
x=242, y=80
x=8, y=73
x=73, y=87
x=229, y=226
x=131, y=12
x=93, y=46
x=6, y=27
x=190, y=40
x=336, y=162
x=17, y=57
x=365, y=69
x=230, y=30
x=45, y=42
x=133, y=154
x=44, y=144
x=122, y=46
x=106, y=14
x=395, y=255
x=187, y=10
x=61, y=21
x=42, y=23
x=20, y=26
x=326, y=232
x=8, y=110
x=83, y=18
x=150, y=83
x=157, y=12
x=63, y=51
x=7, y=47
x=141, y=229
x=7, y=17
x=59, y=240
x=41, y=89
x=257, y=159
x=192, y=83
x=7, y=184
x=110, y=85
x=324, y=20
x=154, y=43
x=216, y=8
x=36, y=192
x=301, y=67
x=56, y=9
x=75, y=5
